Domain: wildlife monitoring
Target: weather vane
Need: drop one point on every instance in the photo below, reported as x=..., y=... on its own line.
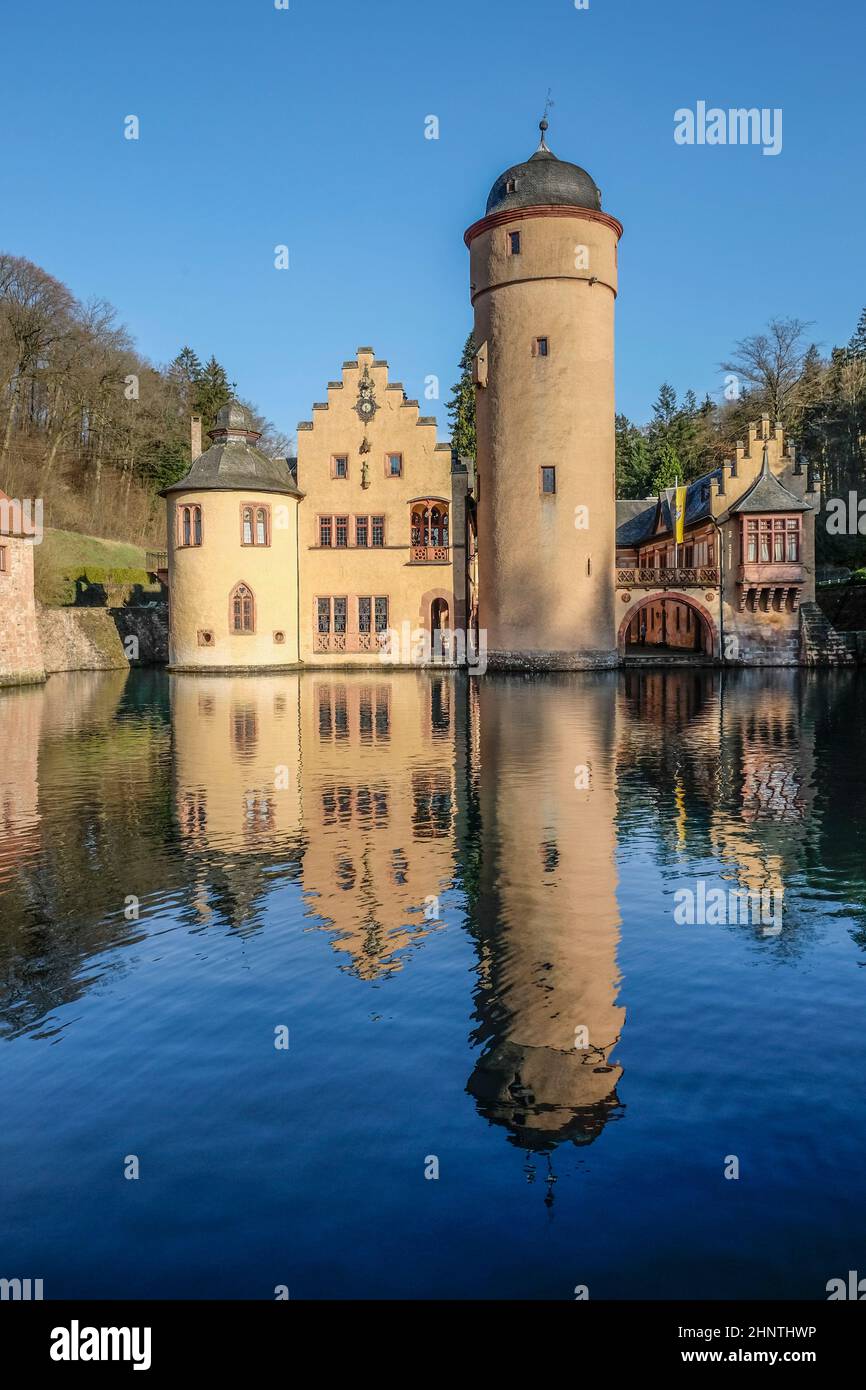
x=543, y=124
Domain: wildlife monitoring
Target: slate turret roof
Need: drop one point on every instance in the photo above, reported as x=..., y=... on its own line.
x=233, y=463
x=767, y=494
x=542, y=181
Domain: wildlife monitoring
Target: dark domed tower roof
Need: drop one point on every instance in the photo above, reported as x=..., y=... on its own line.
x=543, y=181
x=233, y=463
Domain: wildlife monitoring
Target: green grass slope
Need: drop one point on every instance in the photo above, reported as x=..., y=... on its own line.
x=71, y=567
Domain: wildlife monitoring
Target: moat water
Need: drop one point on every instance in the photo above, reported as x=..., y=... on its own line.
x=379, y=984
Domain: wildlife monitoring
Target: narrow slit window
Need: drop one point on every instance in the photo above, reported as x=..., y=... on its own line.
x=514, y=243
x=548, y=480
x=542, y=347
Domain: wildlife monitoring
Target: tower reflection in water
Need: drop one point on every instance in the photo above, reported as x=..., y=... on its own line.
x=392, y=801
x=389, y=791
x=543, y=909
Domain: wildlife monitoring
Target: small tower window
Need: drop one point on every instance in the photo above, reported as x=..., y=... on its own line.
x=514, y=243
x=255, y=525
x=189, y=526
x=394, y=465
x=511, y=185
x=541, y=347
x=340, y=465
x=548, y=480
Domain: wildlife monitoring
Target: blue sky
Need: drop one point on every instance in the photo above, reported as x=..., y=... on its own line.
x=305, y=127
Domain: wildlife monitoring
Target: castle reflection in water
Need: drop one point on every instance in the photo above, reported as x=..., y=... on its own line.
x=389, y=798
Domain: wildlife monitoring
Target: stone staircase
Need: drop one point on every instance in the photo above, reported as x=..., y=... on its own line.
x=820, y=643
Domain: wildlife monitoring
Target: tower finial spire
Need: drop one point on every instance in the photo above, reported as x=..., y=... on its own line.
x=544, y=124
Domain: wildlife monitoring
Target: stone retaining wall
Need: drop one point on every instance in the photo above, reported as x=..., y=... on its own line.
x=102, y=639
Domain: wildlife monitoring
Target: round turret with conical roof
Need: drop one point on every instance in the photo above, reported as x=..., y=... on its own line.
x=233, y=554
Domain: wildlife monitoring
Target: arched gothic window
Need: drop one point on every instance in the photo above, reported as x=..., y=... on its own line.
x=189, y=525
x=242, y=610
x=429, y=525
x=255, y=524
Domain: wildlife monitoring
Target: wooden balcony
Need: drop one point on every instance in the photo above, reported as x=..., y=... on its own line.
x=156, y=562
x=704, y=577
x=429, y=555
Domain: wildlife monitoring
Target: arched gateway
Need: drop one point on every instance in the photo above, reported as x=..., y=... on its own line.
x=668, y=624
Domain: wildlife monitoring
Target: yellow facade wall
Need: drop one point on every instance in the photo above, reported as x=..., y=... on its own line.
x=411, y=587
x=203, y=578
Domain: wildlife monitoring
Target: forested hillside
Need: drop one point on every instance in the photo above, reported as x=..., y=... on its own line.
x=820, y=399
x=86, y=422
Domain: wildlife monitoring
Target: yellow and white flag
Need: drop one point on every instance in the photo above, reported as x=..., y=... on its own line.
x=679, y=515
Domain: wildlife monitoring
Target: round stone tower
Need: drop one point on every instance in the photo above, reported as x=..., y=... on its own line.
x=233, y=555
x=543, y=282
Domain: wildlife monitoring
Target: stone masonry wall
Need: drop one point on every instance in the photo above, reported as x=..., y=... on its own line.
x=20, y=654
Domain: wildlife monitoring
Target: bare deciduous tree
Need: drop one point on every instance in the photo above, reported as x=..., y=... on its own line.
x=771, y=365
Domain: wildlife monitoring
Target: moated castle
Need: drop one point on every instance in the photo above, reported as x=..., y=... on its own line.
x=377, y=529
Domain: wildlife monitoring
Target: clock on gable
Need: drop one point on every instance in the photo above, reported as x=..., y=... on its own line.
x=366, y=405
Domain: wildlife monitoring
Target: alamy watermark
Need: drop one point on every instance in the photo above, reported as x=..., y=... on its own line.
x=846, y=516
x=408, y=646
x=21, y=1290
x=703, y=906
x=737, y=126
x=22, y=518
